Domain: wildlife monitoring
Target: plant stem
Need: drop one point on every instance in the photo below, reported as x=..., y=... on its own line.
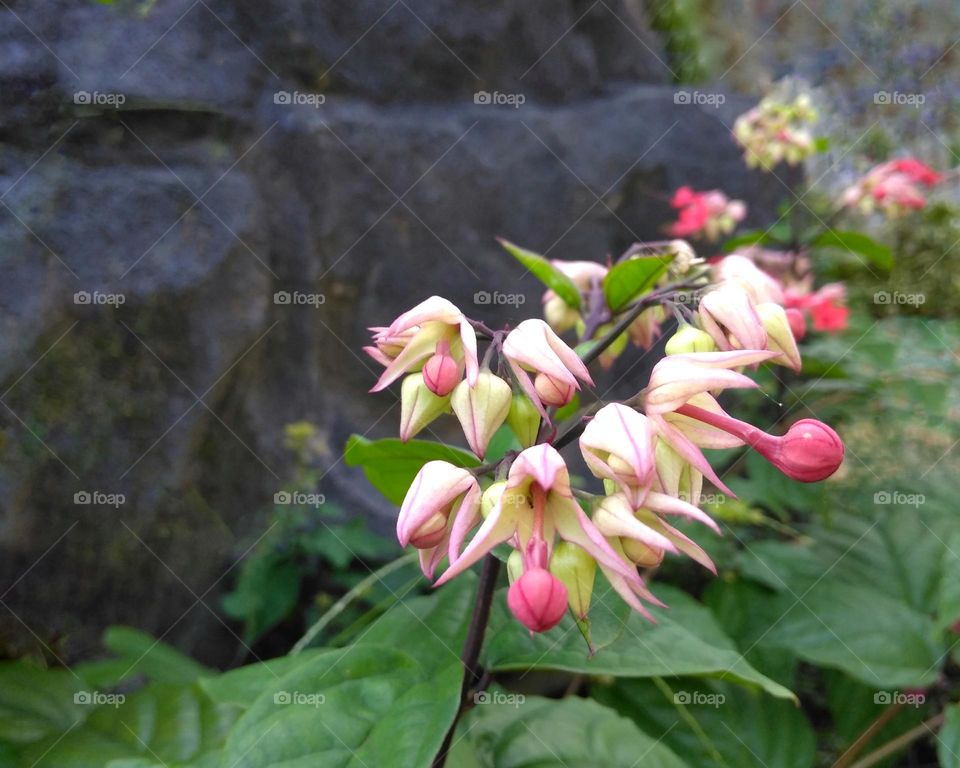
x=358, y=589
x=633, y=312
x=895, y=745
x=863, y=739
x=471, y=648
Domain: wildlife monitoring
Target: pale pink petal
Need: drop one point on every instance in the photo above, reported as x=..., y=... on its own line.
x=667, y=505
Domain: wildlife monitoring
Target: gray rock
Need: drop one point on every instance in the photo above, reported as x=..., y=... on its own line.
x=391, y=190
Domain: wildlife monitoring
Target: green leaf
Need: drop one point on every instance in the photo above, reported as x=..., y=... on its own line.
x=686, y=640
x=240, y=687
x=545, y=272
x=162, y=724
x=266, y=593
x=630, y=279
x=148, y=656
x=757, y=237
x=391, y=465
x=364, y=705
x=857, y=242
x=503, y=440
x=532, y=732
x=860, y=595
x=821, y=144
x=948, y=739
x=37, y=702
x=704, y=721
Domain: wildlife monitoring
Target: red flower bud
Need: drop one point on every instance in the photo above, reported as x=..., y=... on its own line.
x=538, y=599
x=442, y=373
x=810, y=451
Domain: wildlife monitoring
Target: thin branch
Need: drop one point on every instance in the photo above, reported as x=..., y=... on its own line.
x=904, y=740
x=472, y=674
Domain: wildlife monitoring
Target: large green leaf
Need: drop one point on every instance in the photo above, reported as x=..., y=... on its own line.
x=948, y=739
x=37, y=702
x=364, y=705
x=148, y=656
x=545, y=272
x=686, y=640
x=534, y=732
x=861, y=595
x=390, y=465
x=163, y=723
x=387, y=700
x=240, y=687
x=704, y=721
x=859, y=243
x=630, y=279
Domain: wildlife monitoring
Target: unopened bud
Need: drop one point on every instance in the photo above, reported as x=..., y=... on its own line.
x=552, y=391
x=559, y=315
x=430, y=533
x=779, y=335
x=419, y=406
x=577, y=570
x=640, y=553
x=491, y=497
x=524, y=419
x=442, y=372
x=481, y=408
x=810, y=451
x=538, y=600
x=689, y=339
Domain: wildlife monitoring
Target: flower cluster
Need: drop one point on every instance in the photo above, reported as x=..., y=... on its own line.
x=745, y=309
x=776, y=131
x=894, y=188
x=708, y=214
x=648, y=451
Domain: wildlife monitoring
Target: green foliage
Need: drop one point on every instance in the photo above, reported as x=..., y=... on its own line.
x=858, y=243
x=305, y=535
x=546, y=273
x=680, y=22
x=390, y=465
x=526, y=732
x=630, y=279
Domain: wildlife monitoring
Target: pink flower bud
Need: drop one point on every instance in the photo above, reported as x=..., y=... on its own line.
x=552, y=391
x=441, y=373
x=810, y=451
x=538, y=600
